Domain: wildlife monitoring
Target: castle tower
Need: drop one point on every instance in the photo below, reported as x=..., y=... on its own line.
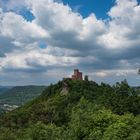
x=77, y=75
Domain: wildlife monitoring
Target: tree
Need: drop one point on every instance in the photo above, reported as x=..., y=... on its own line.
x=86, y=78
x=41, y=131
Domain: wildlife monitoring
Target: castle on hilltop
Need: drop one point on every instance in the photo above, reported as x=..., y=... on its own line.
x=77, y=75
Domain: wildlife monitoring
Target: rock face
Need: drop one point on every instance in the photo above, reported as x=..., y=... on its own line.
x=65, y=89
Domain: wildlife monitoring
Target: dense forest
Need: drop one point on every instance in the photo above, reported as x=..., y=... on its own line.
x=77, y=110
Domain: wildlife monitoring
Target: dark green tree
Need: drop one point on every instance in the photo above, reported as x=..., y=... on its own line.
x=86, y=78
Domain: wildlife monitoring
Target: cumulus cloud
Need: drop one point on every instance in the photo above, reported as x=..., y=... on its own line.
x=12, y=5
x=123, y=29
x=105, y=47
x=15, y=27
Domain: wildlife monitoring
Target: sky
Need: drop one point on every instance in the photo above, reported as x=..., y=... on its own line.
x=42, y=41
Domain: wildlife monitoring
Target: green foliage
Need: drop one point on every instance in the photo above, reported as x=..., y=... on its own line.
x=20, y=94
x=7, y=134
x=122, y=99
x=126, y=127
x=88, y=112
x=41, y=131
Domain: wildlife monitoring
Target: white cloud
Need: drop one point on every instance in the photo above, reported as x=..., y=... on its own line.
x=55, y=16
x=118, y=73
x=34, y=59
x=12, y=4
x=67, y=28
x=101, y=74
x=17, y=28
x=123, y=29
x=92, y=28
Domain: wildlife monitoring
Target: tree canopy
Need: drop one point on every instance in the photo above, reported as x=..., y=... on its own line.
x=88, y=112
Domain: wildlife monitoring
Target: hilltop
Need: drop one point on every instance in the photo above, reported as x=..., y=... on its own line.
x=77, y=110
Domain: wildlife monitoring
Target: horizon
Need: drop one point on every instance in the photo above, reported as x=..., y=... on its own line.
x=43, y=41
x=99, y=82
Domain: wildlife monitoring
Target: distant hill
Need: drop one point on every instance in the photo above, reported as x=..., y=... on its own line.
x=76, y=110
x=4, y=89
x=136, y=88
x=20, y=94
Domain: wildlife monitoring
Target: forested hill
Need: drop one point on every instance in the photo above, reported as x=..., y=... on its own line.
x=20, y=94
x=4, y=89
x=77, y=110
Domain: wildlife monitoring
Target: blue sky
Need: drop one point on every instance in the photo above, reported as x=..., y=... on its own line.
x=43, y=41
x=86, y=7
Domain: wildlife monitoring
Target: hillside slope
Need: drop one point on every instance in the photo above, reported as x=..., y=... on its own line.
x=87, y=111
x=20, y=94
